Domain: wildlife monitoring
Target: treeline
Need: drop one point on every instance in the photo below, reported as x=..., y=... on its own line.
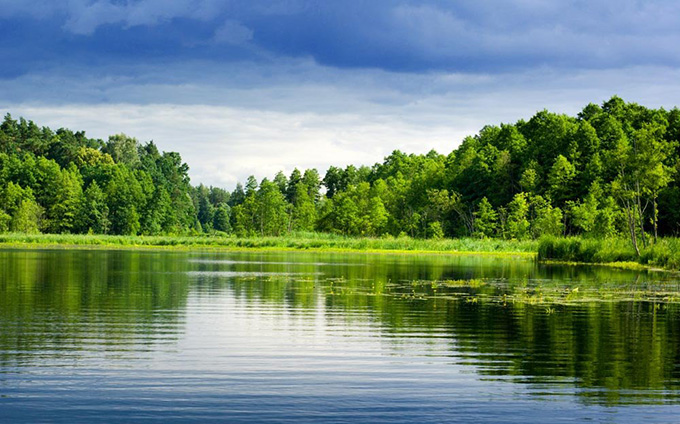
x=611, y=170
x=64, y=182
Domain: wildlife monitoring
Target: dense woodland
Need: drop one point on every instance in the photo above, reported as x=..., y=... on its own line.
x=609, y=171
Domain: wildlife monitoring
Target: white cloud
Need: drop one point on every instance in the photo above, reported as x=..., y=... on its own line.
x=232, y=32
x=85, y=20
x=223, y=145
x=84, y=17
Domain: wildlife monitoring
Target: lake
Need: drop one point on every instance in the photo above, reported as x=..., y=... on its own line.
x=168, y=336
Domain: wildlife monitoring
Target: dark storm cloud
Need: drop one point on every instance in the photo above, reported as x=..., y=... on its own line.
x=252, y=87
x=402, y=36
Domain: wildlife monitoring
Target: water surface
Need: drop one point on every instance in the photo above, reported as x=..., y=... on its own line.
x=148, y=336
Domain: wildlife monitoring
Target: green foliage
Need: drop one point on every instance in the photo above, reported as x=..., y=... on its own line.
x=205, y=208
x=517, y=224
x=123, y=149
x=304, y=211
x=435, y=231
x=608, y=220
x=81, y=185
x=344, y=215
x=584, y=213
x=290, y=190
x=664, y=254
x=271, y=210
x=561, y=179
x=486, y=219
x=239, y=219
x=66, y=203
x=545, y=218
x=94, y=212
x=221, y=219
x=19, y=211
x=357, y=211
x=4, y=221
x=529, y=180
x=378, y=217
x=312, y=183
x=27, y=217
x=610, y=171
x=125, y=199
x=281, y=182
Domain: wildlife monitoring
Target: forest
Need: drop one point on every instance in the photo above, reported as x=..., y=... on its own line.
x=609, y=171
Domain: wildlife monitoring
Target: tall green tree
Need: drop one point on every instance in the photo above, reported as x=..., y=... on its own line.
x=66, y=203
x=545, y=219
x=517, y=223
x=561, y=179
x=125, y=198
x=272, y=217
x=485, y=219
x=221, y=219
x=94, y=212
x=304, y=214
x=123, y=149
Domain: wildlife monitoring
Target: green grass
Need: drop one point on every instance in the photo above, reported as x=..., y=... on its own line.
x=295, y=241
x=578, y=249
x=665, y=253
x=616, y=252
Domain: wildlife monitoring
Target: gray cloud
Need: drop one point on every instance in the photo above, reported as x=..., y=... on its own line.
x=243, y=88
x=401, y=35
x=260, y=119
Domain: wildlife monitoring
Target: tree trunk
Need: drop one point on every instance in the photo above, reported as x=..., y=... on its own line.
x=630, y=215
x=656, y=221
x=641, y=214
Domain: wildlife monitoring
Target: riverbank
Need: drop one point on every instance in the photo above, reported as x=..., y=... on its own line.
x=665, y=253
x=298, y=241
x=613, y=252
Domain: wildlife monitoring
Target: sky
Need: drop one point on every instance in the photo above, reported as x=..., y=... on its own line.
x=254, y=87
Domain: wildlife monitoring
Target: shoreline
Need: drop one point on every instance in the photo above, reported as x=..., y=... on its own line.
x=240, y=248
x=314, y=243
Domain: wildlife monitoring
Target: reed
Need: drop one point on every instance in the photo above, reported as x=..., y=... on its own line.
x=665, y=253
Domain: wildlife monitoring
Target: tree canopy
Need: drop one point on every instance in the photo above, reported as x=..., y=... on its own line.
x=610, y=170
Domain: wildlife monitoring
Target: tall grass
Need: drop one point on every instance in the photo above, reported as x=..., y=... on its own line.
x=294, y=241
x=578, y=249
x=664, y=253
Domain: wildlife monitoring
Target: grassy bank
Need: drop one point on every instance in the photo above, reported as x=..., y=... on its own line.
x=663, y=254
x=297, y=241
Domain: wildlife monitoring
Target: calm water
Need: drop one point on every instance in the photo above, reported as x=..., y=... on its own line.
x=133, y=336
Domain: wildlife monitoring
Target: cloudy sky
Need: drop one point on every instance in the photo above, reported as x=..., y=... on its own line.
x=253, y=87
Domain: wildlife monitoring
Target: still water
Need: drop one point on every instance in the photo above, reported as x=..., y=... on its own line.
x=148, y=336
